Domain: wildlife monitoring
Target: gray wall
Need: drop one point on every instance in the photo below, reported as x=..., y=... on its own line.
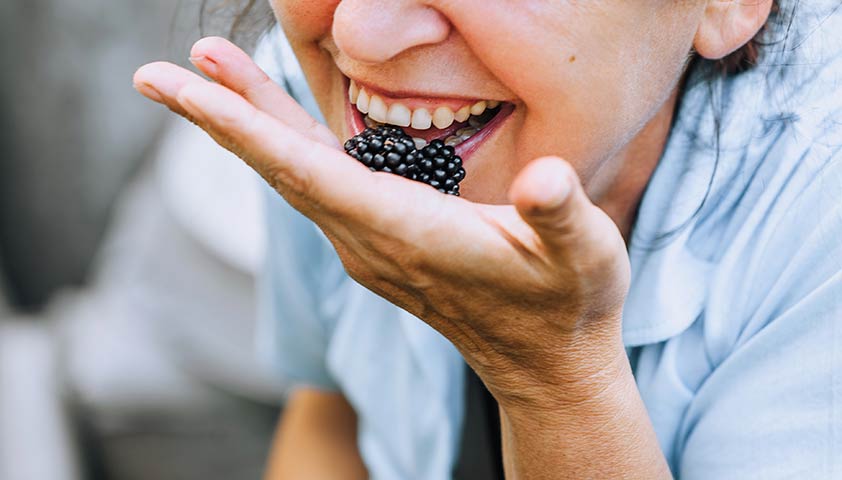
x=72, y=129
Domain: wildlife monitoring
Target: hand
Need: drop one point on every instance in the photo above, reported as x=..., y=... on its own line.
x=531, y=294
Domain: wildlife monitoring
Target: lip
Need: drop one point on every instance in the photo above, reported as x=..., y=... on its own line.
x=355, y=121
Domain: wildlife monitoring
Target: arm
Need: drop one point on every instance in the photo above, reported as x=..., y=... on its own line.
x=530, y=293
x=604, y=434
x=316, y=439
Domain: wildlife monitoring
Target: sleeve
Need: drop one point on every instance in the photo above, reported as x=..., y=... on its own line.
x=299, y=290
x=293, y=328
x=772, y=407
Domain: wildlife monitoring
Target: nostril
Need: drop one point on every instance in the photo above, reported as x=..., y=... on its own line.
x=374, y=32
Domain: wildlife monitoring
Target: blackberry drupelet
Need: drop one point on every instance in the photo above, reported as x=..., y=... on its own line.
x=389, y=149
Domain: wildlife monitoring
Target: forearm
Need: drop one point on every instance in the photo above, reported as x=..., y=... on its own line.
x=604, y=433
x=316, y=439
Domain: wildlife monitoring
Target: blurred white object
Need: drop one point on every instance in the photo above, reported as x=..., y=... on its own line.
x=173, y=297
x=166, y=328
x=216, y=199
x=213, y=195
x=35, y=438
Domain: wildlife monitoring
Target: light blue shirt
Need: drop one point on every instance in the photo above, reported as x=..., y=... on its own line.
x=733, y=323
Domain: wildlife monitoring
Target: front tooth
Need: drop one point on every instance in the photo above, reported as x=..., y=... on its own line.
x=377, y=109
x=399, y=115
x=363, y=101
x=479, y=107
x=463, y=114
x=353, y=92
x=419, y=142
x=443, y=117
x=421, y=119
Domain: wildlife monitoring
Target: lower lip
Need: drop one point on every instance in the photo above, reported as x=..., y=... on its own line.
x=465, y=149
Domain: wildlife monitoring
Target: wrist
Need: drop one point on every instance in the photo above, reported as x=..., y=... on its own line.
x=595, y=429
x=587, y=377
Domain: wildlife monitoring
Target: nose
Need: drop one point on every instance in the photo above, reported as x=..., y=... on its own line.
x=374, y=31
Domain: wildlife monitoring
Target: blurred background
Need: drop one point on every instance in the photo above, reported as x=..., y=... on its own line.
x=129, y=245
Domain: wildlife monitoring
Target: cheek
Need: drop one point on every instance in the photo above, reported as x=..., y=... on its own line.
x=556, y=58
x=602, y=90
x=643, y=72
x=516, y=40
x=306, y=23
x=305, y=20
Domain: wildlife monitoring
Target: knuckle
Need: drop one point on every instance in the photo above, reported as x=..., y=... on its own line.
x=370, y=275
x=286, y=180
x=255, y=89
x=416, y=270
x=396, y=261
x=241, y=126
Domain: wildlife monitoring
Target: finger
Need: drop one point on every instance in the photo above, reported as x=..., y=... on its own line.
x=161, y=82
x=228, y=65
x=549, y=197
x=323, y=183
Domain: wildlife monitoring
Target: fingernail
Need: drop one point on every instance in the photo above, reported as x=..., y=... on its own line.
x=205, y=63
x=149, y=92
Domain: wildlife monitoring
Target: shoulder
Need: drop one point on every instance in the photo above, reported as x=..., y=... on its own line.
x=775, y=241
x=775, y=198
x=744, y=203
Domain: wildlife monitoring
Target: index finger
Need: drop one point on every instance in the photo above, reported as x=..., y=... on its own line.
x=228, y=65
x=314, y=178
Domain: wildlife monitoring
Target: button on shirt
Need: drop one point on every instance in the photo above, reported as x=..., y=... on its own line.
x=733, y=322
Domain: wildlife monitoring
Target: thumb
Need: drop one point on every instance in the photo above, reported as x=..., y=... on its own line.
x=549, y=197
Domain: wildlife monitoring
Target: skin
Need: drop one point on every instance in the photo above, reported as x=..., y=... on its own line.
x=530, y=278
x=316, y=439
x=454, y=53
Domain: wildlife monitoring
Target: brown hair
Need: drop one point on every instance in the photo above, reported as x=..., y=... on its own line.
x=243, y=21
x=746, y=57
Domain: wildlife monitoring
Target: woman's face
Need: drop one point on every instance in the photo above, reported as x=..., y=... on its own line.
x=579, y=79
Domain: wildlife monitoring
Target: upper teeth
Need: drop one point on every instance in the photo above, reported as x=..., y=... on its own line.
x=443, y=117
x=399, y=114
x=421, y=119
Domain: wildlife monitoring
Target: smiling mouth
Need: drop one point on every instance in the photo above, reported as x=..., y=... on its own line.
x=462, y=124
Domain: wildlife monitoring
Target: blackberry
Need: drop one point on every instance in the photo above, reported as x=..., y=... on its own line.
x=389, y=149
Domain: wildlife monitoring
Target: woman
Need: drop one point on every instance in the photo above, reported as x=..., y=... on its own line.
x=687, y=332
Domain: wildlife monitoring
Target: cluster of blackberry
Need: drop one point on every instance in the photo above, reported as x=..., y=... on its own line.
x=389, y=149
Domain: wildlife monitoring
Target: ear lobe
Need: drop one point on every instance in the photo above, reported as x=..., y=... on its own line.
x=727, y=25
